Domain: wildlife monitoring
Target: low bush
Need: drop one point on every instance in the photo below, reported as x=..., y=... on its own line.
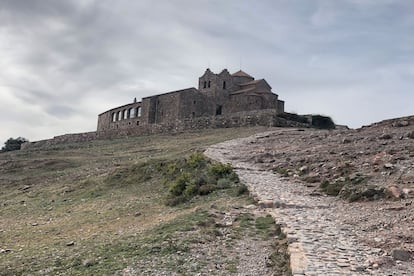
x=219, y=170
x=194, y=176
x=180, y=184
x=223, y=183
x=322, y=122
x=13, y=144
x=242, y=190
x=196, y=160
x=282, y=171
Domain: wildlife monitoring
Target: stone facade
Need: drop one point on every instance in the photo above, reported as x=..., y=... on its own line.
x=217, y=95
x=266, y=117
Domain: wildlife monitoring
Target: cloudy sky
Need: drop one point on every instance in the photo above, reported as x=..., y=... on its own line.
x=64, y=62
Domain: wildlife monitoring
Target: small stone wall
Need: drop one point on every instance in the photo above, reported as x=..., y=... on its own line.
x=267, y=118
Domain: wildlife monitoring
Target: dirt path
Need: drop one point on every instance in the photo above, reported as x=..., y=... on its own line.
x=327, y=236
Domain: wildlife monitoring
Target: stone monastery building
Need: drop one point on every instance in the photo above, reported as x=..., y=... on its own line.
x=222, y=94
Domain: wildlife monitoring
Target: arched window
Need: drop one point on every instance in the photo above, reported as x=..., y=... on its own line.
x=224, y=84
x=113, y=116
x=125, y=112
x=205, y=84
x=139, y=111
x=119, y=115
x=132, y=113
x=209, y=84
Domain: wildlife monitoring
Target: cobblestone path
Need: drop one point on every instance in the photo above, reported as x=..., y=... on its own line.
x=320, y=243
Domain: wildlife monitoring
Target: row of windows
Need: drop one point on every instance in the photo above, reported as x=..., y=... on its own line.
x=126, y=114
x=208, y=84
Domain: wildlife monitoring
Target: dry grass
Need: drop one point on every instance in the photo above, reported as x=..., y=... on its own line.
x=52, y=197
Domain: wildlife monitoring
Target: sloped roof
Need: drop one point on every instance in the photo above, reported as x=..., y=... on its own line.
x=242, y=91
x=250, y=82
x=241, y=73
x=256, y=82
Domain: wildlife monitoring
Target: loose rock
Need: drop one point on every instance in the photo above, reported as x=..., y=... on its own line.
x=401, y=255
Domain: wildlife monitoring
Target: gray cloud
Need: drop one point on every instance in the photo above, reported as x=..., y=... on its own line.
x=64, y=62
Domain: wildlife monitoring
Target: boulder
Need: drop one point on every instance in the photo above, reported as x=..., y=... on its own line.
x=401, y=255
x=401, y=124
x=394, y=191
x=71, y=243
x=266, y=204
x=385, y=136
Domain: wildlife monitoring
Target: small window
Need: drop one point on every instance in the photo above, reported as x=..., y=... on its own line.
x=129, y=123
x=137, y=123
x=219, y=110
x=224, y=85
x=209, y=84
x=205, y=84
x=194, y=102
x=193, y=114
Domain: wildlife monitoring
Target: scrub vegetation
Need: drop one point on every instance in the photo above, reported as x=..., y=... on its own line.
x=137, y=205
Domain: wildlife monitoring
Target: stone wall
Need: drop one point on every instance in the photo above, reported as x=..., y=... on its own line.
x=120, y=117
x=268, y=118
x=63, y=139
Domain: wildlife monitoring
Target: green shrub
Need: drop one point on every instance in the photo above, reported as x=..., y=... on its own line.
x=219, y=170
x=322, y=122
x=223, y=183
x=200, y=180
x=196, y=175
x=191, y=190
x=196, y=160
x=206, y=189
x=332, y=189
x=179, y=185
x=282, y=171
x=242, y=190
x=172, y=168
x=13, y=144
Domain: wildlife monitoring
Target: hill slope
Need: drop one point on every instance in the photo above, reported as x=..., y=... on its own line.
x=99, y=208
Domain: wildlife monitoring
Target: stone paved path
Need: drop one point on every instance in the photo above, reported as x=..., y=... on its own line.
x=319, y=242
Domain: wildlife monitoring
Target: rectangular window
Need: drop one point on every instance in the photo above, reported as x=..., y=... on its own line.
x=224, y=85
x=139, y=111
x=205, y=84
x=132, y=113
x=209, y=84
x=125, y=112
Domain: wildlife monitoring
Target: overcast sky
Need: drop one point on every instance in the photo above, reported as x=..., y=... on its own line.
x=64, y=62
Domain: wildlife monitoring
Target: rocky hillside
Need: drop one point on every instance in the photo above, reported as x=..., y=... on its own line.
x=363, y=164
x=357, y=185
